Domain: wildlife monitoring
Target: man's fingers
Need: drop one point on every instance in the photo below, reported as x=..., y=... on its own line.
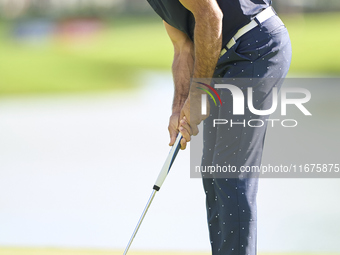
x=185, y=116
x=185, y=130
x=183, y=143
x=173, y=135
x=194, y=129
x=173, y=125
x=186, y=119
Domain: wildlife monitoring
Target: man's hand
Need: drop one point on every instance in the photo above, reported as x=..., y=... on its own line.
x=191, y=113
x=174, y=126
x=188, y=118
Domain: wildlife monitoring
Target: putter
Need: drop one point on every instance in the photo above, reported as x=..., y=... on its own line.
x=161, y=177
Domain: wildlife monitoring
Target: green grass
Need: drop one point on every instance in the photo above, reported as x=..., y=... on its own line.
x=108, y=62
x=113, y=60
x=55, y=251
x=315, y=41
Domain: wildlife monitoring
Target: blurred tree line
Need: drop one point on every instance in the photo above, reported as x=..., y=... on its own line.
x=13, y=9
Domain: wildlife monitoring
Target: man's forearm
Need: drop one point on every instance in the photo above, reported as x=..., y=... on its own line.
x=197, y=61
x=208, y=44
x=207, y=35
x=182, y=70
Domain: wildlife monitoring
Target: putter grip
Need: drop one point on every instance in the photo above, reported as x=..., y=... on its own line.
x=168, y=163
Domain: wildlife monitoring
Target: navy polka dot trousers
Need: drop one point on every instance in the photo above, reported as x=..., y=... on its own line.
x=262, y=57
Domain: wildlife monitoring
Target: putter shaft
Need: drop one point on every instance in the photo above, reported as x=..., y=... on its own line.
x=161, y=177
x=140, y=221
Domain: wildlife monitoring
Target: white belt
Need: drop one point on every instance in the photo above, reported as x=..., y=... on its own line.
x=259, y=18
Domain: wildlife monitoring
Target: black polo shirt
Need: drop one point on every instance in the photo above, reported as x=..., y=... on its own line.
x=236, y=14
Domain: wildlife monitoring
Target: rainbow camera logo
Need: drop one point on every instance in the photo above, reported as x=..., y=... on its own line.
x=204, y=97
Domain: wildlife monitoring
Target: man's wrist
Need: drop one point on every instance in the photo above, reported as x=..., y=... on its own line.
x=176, y=111
x=178, y=103
x=199, y=87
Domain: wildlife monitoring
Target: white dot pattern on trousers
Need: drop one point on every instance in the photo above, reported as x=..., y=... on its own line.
x=245, y=158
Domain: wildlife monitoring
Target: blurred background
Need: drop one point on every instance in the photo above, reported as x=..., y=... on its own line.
x=85, y=96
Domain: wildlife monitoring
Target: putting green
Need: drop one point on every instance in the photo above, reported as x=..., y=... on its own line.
x=55, y=251
x=33, y=251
